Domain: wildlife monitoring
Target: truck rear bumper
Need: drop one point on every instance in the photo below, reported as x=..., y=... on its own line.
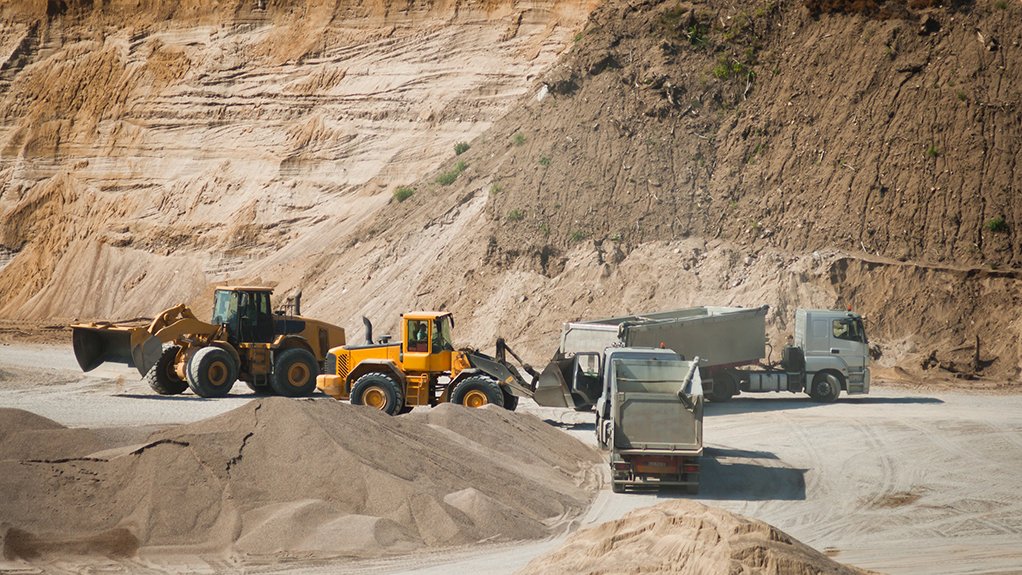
x=331, y=385
x=654, y=482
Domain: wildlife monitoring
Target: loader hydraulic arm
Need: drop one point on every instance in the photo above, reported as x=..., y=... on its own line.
x=168, y=316
x=503, y=349
x=178, y=322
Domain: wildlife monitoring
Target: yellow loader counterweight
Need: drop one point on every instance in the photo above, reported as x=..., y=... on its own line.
x=271, y=352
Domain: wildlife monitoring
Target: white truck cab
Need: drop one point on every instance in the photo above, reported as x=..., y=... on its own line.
x=834, y=344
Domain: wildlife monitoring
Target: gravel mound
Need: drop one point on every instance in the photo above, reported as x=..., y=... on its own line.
x=684, y=537
x=308, y=477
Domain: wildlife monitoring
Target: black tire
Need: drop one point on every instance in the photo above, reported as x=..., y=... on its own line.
x=723, y=388
x=719, y=397
x=826, y=387
x=162, y=378
x=690, y=488
x=294, y=373
x=211, y=372
x=617, y=487
x=510, y=400
x=478, y=391
x=260, y=389
x=379, y=391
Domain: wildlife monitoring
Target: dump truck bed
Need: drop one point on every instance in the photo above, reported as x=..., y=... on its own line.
x=719, y=336
x=649, y=410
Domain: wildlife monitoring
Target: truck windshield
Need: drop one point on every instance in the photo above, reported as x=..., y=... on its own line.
x=655, y=376
x=849, y=329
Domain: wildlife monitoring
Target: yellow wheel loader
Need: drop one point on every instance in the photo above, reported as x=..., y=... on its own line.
x=423, y=368
x=272, y=352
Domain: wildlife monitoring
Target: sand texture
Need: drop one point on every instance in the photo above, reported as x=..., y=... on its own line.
x=685, y=538
x=307, y=478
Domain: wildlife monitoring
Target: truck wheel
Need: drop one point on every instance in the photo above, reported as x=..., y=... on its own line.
x=477, y=391
x=162, y=378
x=211, y=372
x=692, y=489
x=294, y=373
x=510, y=400
x=826, y=387
x=617, y=487
x=379, y=391
x=721, y=397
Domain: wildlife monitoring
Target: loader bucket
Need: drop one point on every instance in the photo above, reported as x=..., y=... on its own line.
x=98, y=344
x=551, y=389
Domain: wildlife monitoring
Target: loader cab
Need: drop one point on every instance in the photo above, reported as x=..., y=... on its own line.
x=246, y=313
x=426, y=343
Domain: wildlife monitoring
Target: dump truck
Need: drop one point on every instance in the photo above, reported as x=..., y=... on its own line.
x=828, y=353
x=650, y=417
x=424, y=368
x=272, y=352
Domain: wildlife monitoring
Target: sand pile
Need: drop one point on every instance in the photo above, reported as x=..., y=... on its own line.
x=685, y=537
x=313, y=478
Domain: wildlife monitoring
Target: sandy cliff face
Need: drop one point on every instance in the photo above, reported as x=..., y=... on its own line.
x=646, y=155
x=150, y=150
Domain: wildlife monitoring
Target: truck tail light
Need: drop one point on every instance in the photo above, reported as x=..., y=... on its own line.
x=622, y=466
x=691, y=468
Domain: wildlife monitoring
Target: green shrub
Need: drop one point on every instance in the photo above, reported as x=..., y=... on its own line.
x=997, y=225
x=544, y=161
x=578, y=235
x=515, y=215
x=403, y=193
x=727, y=67
x=460, y=148
x=932, y=151
x=518, y=139
x=447, y=178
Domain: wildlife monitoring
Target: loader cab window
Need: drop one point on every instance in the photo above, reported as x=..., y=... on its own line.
x=442, y=334
x=247, y=315
x=849, y=329
x=225, y=309
x=418, y=336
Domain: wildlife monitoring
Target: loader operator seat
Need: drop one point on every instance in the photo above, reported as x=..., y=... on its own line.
x=418, y=334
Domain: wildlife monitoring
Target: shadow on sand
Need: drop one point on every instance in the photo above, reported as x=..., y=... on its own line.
x=762, y=405
x=740, y=475
x=189, y=397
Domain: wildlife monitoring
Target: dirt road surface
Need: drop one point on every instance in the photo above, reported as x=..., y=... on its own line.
x=899, y=481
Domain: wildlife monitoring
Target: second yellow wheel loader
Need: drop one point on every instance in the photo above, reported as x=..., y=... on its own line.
x=279, y=353
x=423, y=368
